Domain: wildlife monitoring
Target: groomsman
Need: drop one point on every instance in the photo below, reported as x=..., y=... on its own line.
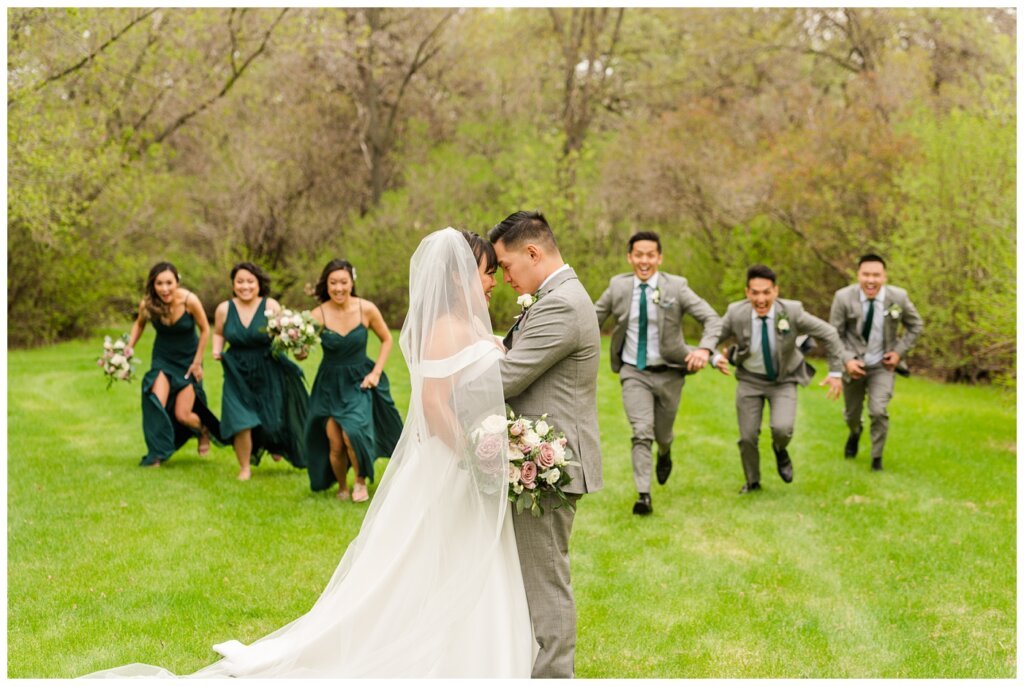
x=867, y=314
x=649, y=354
x=769, y=365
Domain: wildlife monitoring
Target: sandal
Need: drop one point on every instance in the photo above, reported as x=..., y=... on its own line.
x=359, y=493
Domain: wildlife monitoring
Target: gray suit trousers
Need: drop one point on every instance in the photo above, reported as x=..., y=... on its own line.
x=751, y=394
x=878, y=384
x=543, y=544
x=651, y=400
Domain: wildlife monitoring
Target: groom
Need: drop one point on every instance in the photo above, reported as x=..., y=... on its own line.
x=551, y=367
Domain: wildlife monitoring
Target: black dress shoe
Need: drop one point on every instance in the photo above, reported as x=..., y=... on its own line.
x=643, y=506
x=747, y=488
x=851, y=444
x=664, y=467
x=876, y=464
x=784, y=464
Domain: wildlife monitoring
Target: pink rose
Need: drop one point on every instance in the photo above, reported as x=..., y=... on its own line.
x=489, y=452
x=546, y=456
x=527, y=474
x=516, y=428
x=294, y=333
x=563, y=440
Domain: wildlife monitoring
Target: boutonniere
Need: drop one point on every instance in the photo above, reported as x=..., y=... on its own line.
x=782, y=323
x=893, y=311
x=526, y=301
x=656, y=296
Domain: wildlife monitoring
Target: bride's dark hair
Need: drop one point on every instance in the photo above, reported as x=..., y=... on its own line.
x=482, y=250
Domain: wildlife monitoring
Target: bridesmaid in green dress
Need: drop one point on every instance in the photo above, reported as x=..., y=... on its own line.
x=175, y=380
x=352, y=418
x=264, y=403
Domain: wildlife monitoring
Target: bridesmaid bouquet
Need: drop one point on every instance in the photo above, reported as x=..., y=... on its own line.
x=291, y=331
x=537, y=458
x=117, y=366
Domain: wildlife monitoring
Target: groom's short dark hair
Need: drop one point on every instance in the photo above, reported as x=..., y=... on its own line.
x=523, y=227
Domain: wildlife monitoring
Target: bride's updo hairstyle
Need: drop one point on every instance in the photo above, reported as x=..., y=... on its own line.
x=483, y=251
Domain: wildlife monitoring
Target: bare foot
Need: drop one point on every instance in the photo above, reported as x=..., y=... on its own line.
x=344, y=495
x=204, y=442
x=277, y=458
x=244, y=474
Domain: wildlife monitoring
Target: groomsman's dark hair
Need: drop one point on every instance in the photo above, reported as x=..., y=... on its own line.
x=523, y=227
x=644, y=236
x=333, y=266
x=482, y=250
x=760, y=271
x=261, y=276
x=870, y=257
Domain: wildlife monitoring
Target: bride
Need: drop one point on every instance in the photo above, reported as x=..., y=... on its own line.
x=431, y=586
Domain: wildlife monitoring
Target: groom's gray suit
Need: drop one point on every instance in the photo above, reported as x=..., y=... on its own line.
x=551, y=367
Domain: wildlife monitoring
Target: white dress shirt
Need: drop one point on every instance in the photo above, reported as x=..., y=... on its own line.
x=876, y=338
x=755, y=362
x=633, y=329
x=551, y=276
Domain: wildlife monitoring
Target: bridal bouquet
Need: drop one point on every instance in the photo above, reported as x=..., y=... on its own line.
x=537, y=458
x=117, y=366
x=291, y=331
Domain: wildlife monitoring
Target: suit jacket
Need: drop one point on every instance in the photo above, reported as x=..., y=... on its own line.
x=676, y=300
x=737, y=324
x=848, y=317
x=551, y=368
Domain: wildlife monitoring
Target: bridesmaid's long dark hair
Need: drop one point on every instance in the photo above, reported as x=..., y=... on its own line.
x=333, y=266
x=155, y=307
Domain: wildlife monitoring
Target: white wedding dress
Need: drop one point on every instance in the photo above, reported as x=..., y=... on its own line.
x=431, y=586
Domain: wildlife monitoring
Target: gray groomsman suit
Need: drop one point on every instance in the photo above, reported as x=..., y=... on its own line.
x=754, y=387
x=849, y=308
x=551, y=367
x=651, y=396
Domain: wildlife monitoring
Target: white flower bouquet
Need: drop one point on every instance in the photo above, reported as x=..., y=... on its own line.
x=291, y=331
x=116, y=364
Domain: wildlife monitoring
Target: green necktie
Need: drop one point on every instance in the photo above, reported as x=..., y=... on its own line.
x=766, y=350
x=865, y=333
x=641, y=344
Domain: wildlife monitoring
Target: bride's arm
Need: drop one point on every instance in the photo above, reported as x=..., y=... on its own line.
x=447, y=338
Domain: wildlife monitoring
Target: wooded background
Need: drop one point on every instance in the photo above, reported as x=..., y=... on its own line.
x=795, y=137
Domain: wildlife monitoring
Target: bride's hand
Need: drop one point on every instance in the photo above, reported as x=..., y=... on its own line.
x=500, y=343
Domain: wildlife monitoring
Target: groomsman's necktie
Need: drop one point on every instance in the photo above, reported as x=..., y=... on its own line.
x=868, y=320
x=641, y=344
x=766, y=350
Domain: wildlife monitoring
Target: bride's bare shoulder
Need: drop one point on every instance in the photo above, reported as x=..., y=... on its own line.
x=447, y=336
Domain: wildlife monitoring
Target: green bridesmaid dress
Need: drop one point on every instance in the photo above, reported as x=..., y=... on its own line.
x=173, y=352
x=262, y=391
x=368, y=416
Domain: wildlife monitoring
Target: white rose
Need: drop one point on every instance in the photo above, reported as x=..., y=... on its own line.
x=495, y=424
x=542, y=428
x=531, y=439
x=515, y=453
x=783, y=325
x=118, y=345
x=513, y=474
x=309, y=330
x=268, y=313
x=525, y=300
x=559, y=452
x=117, y=360
x=551, y=476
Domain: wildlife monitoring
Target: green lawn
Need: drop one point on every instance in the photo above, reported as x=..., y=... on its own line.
x=843, y=573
